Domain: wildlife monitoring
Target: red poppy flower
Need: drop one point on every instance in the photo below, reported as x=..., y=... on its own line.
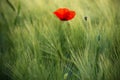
x=64, y=14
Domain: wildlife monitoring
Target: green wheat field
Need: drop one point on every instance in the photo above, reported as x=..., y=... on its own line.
x=36, y=45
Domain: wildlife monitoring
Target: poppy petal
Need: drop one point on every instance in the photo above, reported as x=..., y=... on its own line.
x=60, y=13
x=70, y=15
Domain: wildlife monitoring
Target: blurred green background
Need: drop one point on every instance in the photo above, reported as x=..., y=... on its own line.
x=36, y=45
